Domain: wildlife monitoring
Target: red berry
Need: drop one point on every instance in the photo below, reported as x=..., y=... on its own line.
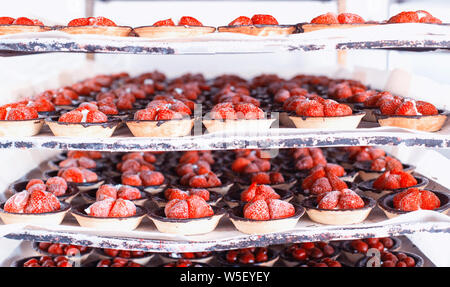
x=189, y=21
x=241, y=20
x=167, y=22
x=260, y=19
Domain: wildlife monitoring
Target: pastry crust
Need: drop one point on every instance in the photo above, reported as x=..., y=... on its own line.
x=369, y=190
x=190, y=226
x=83, y=130
x=108, y=223
x=170, y=128
x=328, y=123
x=238, y=126
x=250, y=226
x=154, y=32
x=42, y=219
x=386, y=204
x=337, y=217
x=16, y=29
x=118, y=31
x=305, y=28
x=421, y=123
x=26, y=128
x=259, y=30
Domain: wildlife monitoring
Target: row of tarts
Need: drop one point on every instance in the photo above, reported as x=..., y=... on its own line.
x=189, y=192
x=348, y=253
x=153, y=106
x=187, y=26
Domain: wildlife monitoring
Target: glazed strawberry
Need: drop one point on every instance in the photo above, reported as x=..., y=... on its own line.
x=335, y=169
x=177, y=208
x=151, y=178
x=310, y=179
x=406, y=179
x=334, y=109
x=321, y=185
x=101, y=208
x=33, y=182
x=310, y=109
x=248, y=111
x=203, y=193
x=389, y=107
x=175, y=193
x=349, y=18
x=266, y=191
x=329, y=200
x=241, y=20
x=88, y=175
x=96, y=117
x=79, y=22
x=17, y=202
x=71, y=117
x=106, y=191
x=350, y=200
x=248, y=194
x=128, y=193
x=23, y=21
x=429, y=200
x=19, y=113
x=336, y=182
x=261, y=178
x=73, y=174
x=131, y=179
x=41, y=187
x=6, y=20
x=280, y=209
x=122, y=208
x=426, y=108
x=257, y=210
x=405, y=17
x=328, y=18
x=198, y=207
x=56, y=185
x=407, y=108
x=393, y=164
x=41, y=201
x=410, y=201
x=260, y=19
x=189, y=21
x=414, y=199
x=167, y=22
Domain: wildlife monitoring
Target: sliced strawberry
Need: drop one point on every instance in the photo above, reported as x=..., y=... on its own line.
x=407, y=180
x=6, y=20
x=378, y=164
x=310, y=109
x=101, y=21
x=406, y=109
x=329, y=200
x=426, y=108
x=33, y=182
x=309, y=180
x=203, y=193
x=241, y=20
x=328, y=18
x=336, y=182
x=151, y=178
x=129, y=193
x=322, y=185
x=101, y=208
x=23, y=21
x=257, y=210
x=96, y=117
x=56, y=185
x=280, y=209
x=389, y=107
x=248, y=194
x=261, y=178
x=167, y=22
x=17, y=202
x=393, y=164
x=349, y=18
x=189, y=21
x=71, y=117
x=198, y=207
x=267, y=192
x=177, y=208
x=350, y=200
x=106, y=191
x=429, y=200
x=131, y=179
x=122, y=208
x=79, y=22
x=405, y=17
x=411, y=201
x=175, y=193
x=41, y=201
x=260, y=19
x=73, y=174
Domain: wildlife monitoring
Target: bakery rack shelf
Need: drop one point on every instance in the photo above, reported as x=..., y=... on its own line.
x=422, y=37
x=271, y=139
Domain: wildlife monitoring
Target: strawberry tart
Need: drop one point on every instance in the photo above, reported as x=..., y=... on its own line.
x=10, y=25
x=19, y=119
x=258, y=25
x=334, y=21
x=97, y=26
x=84, y=179
x=187, y=27
x=162, y=198
x=63, y=190
x=235, y=197
x=131, y=193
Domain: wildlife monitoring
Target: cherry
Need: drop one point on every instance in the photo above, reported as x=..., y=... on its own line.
x=401, y=256
x=48, y=263
x=401, y=264
x=387, y=242
x=55, y=249
x=410, y=262
x=360, y=246
x=389, y=257
x=378, y=246
x=316, y=253
x=30, y=262
x=328, y=250
x=388, y=264
x=308, y=245
x=299, y=254
x=247, y=258
x=371, y=241
x=232, y=256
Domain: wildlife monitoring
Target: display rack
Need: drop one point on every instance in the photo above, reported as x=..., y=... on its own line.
x=71, y=233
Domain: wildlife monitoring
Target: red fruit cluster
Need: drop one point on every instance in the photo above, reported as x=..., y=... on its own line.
x=310, y=251
x=118, y=262
x=262, y=191
x=184, y=21
x=415, y=199
x=20, y=21
x=136, y=162
x=258, y=19
x=82, y=153
x=18, y=111
x=63, y=249
x=48, y=261
x=385, y=164
x=124, y=253
x=419, y=16
x=346, y=89
x=340, y=199
x=250, y=162
x=192, y=207
x=240, y=111
x=143, y=178
x=199, y=167
x=83, y=162
x=406, y=107
x=77, y=175
x=260, y=208
x=394, y=179
x=397, y=259
x=110, y=207
x=163, y=110
x=272, y=177
x=319, y=181
x=56, y=185
x=124, y=192
x=92, y=21
x=205, y=180
x=85, y=113
x=363, y=245
x=97, y=83
x=195, y=156
x=247, y=256
x=343, y=18
x=176, y=193
x=36, y=201
x=307, y=158
x=364, y=153
x=46, y=100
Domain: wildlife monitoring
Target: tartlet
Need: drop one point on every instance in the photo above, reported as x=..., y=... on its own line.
x=307, y=27
x=117, y=31
x=259, y=30
x=233, y=197
x=43, y=219
x=386, y=204
x=71, y=192
x=108, y=223
x=241, y=125
x=173, y=31
x=250, y=226
x=329, y=123
x=163, y=128
x=161, y=201
x=427, y=123
x=365, y=173
x=85, y=130
x=90, y=197
x=189, y=226
x=21, y=128
x=369, y=190
x=17, y=29
x=337, y=216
